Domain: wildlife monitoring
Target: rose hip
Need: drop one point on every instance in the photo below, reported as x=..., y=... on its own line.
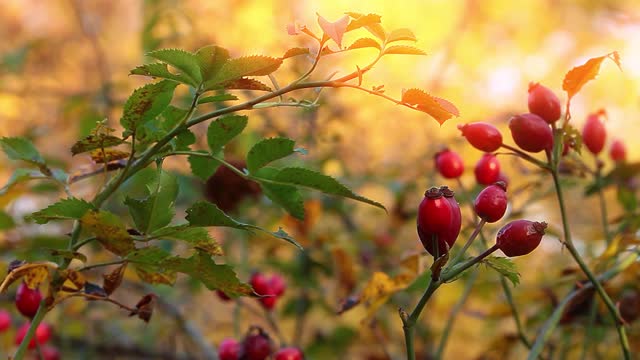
x=544, y=103
x=229, y=349
x=491, y=202
x=482, y=136
x=487, y=170
x=520, y=237
x=27, y=300
x=289, y=353
x=256, y=346
x=449, y=164
x=437, y=219
x=531, y=133
x=618, y=152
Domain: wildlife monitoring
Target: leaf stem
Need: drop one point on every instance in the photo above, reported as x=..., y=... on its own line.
x=466, y=246
x=514, y=312
x=526, y=156
x=603, y=205
x=93, y=266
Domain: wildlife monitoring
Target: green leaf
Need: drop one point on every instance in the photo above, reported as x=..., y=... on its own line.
x=314, y=180
x=6, y=221
x=403, y=50
x=148, y=265
x=150, y=255
x=217, y=98
x=196, y=237
x=215, y=277
x=210, y=59
x=160, y=70
x=268, y=150
x=65, y=209
x=244, y=84
x=145, y=104
x=257, y=65
x=18, y=176
x=203, y=167
x=181, y=60
x=19, y=148
x=157, y=210
x=505, y=267
x=222, y=130
x=207, y=214
x=109, y=231
x=286, y=196
x=94, y=142
x=627, y=198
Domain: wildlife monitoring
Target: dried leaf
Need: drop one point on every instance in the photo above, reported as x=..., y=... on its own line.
x=379, y=289
x=33, y=273
x=94, y=290
x=334, y=30
x=101, y=156
x=144, y=307
x=245, y=84
x=167, y=277
x=74, y=281
x=113, y=279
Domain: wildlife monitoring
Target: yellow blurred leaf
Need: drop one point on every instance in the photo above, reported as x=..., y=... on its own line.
x=33, y=273
x=440, y=109
x=577, y=77
x=74, y=280
x=102, y=156
x=109, y=231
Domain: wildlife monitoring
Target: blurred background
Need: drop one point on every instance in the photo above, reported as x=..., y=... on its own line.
x=64, y=65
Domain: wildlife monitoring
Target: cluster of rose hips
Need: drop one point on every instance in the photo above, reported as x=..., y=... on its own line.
x=270, y=289
x=256, y=345
x=27, y=302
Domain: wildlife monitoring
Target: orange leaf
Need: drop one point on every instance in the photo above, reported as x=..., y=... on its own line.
x=577, y=77
x=295, y=52
x=360, y=20
x=440, y=109
x=403, y=50
x=364, y=43
x=334, y=30
x=401, y=34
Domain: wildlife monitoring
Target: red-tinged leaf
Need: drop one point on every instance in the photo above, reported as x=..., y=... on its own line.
x=365, y=43
x=246, y=84
x=403, y=50
x=113, y=279
x=577, y=77
x=297, y=51
x=334, y=30
x=360, y=20
x=401, y=34
x=144, y=307
x=440, y=109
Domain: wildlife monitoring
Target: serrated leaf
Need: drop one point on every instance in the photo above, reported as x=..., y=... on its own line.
x=217, y=98
x=156, y=277
x=150, y=255
x=145, y=104
x=6, y=221
x=334, y=30
x=403, y=50
x=109, y=231
x=19, y=148
x=577, y=77
x=160, y=70
x=505, y=267
x=315, y=180
x=157, y=210
x=400, y=35
x=245, y=84
x=268, y=150
x=234, y=69
x=181, y=60
x=440, y=109
x=148, y=265
x=196, y=237
x=365, y=43
x=223, y=129
x=68, y=254
x=297, y=51
x=369, y=20
x=203, y=167
x=65, y=209
x=286, y=196
x=95, y=141
x=210, y=59
x=18, y=176
x=207, y=214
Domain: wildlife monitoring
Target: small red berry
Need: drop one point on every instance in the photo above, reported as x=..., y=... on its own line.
x=229, y=349
x=520, y=237
x=277, y=284
x=594, y=133
x=262, y=286
x=50, y=353
x=482, y=136
x=28, y=300
x=43, y=334
x=256, y=346
x=491, y=202
x=544, y=103
x=531, y=133
x=436, y=218
x=618, y=151
x=487, y=169
x=451, y=235
x=5, y=320
x=289, y=353
x=449, y=164
x=221, y=294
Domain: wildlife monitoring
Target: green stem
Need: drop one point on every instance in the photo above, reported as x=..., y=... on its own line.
x=454, y=313
x=613, y=310
x=82, y=243
x=24, y=345
x=93, y=266
x=515, y=313
x=603, y=207
x=589, y=333
x=526, y=156
x=466, y=246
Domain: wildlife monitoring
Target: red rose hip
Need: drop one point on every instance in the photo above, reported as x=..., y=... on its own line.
x=50, y=353
x=449, y=164
x=43, y=334
x=438, y=218
x=491, y=202
x=544, y=103
x=451, y=234
x=482, y=136
x=28, y=300
x=531, y=133
x=277, y=284
x=289, y=353
x=618, y=151
x=594, y=133
x=256, y=346
x=5, y=320
x=487, y=170
x=520, y=237
x=229, y=349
